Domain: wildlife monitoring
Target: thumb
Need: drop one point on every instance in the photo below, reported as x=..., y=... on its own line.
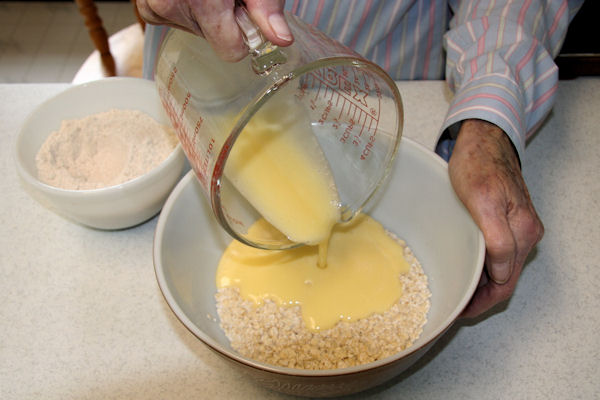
x=501, y=248
x=268, y=15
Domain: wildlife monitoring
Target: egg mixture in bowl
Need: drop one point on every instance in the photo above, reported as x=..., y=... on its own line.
x=287, y=349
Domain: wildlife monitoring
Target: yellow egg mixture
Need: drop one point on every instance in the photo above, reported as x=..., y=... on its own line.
x=279, y=167
x=361, y=277
x=347, y=272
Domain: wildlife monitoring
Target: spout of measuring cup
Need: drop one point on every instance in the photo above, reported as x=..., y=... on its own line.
x=265, y=55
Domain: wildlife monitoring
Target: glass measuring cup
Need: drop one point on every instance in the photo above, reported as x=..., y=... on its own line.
x=352, y=107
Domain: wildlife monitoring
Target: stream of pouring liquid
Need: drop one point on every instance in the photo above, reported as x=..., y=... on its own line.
x=361, y=277
x=277, y=164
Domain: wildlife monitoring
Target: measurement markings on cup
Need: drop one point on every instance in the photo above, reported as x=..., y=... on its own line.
x=354, y=98
x=198, y=153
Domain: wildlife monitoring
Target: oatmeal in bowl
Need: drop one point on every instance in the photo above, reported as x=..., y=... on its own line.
x=277, y=335
x=271, y=343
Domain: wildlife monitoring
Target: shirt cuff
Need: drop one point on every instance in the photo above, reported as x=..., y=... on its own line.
x=495, y=99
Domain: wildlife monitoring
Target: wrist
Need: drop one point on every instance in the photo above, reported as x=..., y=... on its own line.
x=479, y=135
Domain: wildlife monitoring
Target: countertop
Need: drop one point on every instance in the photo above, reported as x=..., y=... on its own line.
x=82, y=317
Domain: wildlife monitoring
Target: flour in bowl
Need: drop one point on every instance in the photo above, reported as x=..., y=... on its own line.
x=103, y=149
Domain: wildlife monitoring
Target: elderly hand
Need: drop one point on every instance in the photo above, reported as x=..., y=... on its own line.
x=215, y=20
x=485, y=173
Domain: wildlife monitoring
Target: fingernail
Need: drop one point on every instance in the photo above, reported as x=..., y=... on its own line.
x=500, y=273
x=280, y=27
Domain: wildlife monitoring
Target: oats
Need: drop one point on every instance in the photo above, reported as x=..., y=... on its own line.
x=276, y=334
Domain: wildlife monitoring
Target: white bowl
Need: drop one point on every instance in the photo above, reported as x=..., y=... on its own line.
x=419, y=205
x=113, y=207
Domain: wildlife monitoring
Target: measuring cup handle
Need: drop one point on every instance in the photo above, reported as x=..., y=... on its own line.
x=252, y=36
x=265, y=55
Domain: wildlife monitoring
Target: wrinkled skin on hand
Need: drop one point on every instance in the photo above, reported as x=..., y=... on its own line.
x=215, y=20
x=486, y=175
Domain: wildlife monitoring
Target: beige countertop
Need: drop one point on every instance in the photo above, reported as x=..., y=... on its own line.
x=81, y=315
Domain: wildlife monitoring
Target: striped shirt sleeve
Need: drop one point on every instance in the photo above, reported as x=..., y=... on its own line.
x=500, y=62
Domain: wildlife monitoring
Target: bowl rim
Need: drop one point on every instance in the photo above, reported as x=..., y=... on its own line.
x=139, y=180
x=357, y=369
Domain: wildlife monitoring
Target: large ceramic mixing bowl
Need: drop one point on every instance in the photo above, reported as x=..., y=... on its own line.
x=419, y=206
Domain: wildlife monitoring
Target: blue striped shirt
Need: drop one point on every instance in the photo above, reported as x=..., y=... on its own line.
x=496, y=55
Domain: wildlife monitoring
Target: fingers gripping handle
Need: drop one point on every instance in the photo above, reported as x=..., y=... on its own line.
x=265, y=55
x=252, y=36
